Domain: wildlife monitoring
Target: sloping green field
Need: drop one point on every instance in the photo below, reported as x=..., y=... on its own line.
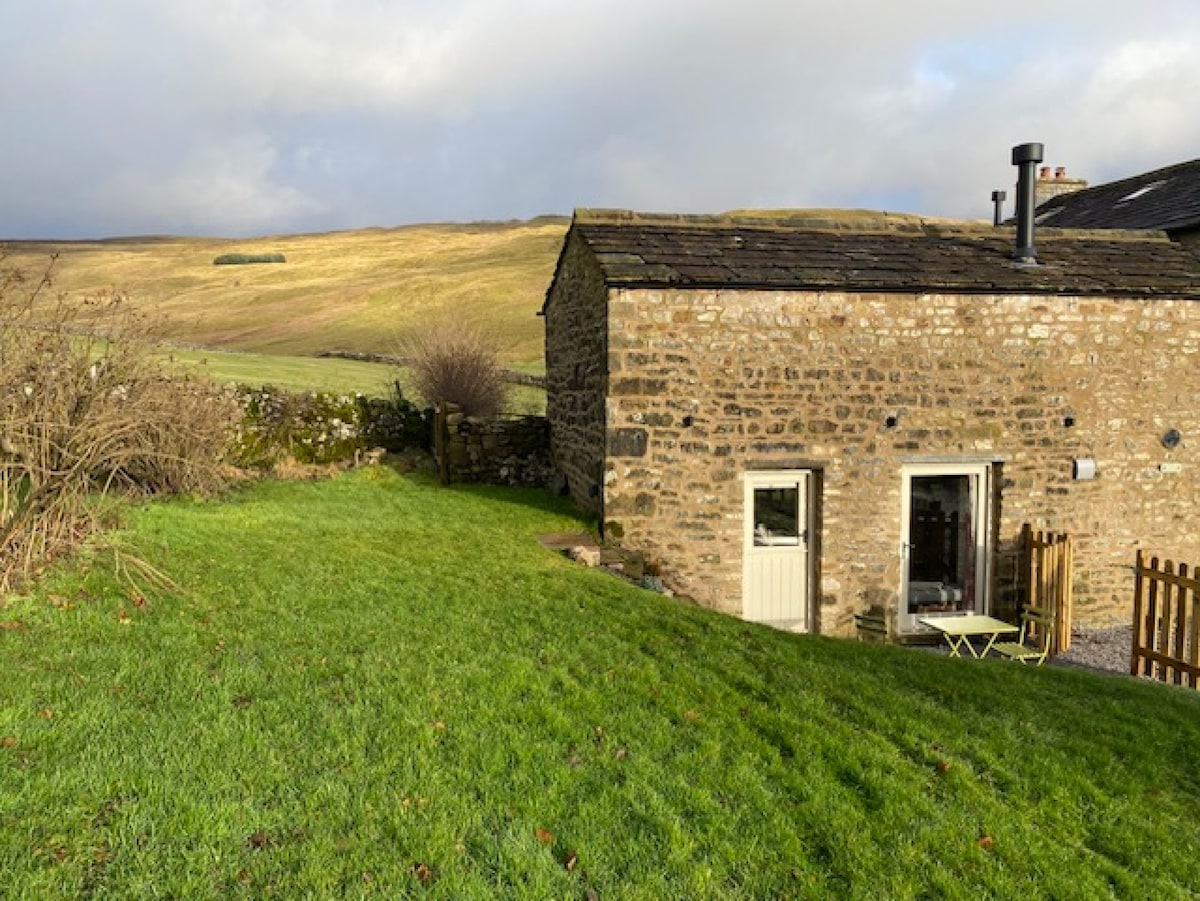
x=375, y=687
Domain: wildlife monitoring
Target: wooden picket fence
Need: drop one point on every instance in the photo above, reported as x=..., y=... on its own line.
x=1048, y=562
x=1166, y=622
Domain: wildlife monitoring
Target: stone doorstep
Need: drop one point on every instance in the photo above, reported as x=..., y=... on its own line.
x=629, y=564
x=564, y=541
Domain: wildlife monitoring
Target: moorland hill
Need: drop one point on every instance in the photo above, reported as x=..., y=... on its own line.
x=345, y=291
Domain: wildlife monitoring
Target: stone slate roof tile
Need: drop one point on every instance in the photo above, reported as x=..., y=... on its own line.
x=713, y=252
x=1167, y=199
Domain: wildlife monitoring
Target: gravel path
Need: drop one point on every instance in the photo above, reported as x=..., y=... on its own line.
x=1105, y=650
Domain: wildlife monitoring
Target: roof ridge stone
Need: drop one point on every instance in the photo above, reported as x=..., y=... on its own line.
x=861, y=221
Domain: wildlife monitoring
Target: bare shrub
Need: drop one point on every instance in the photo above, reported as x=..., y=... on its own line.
x=87, y=411
x=455, y=363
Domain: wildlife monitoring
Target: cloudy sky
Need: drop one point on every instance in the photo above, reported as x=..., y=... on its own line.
x=248, y=117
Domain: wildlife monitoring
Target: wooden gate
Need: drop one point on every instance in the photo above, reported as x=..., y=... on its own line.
x=1166, y=622
x=1048, y=581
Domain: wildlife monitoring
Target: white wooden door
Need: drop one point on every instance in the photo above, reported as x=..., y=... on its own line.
x=776, y=563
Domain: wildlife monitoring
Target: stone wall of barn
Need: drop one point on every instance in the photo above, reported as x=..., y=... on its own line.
x=576, y=353
x=705, y=385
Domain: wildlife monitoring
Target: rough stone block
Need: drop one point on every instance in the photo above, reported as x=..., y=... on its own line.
x=628, y=442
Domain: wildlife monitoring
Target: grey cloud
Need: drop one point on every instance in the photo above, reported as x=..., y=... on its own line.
x=228, y=117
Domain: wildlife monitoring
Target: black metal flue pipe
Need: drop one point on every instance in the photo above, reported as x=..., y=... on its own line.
x=998, y=198
x=1026, y=157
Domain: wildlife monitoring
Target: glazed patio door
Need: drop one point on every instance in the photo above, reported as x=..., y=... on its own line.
x=776, y=563
x=945, y=521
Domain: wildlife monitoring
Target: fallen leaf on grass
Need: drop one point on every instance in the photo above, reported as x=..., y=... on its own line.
x=691, y=716
x=258, y=840
x=545, y=836
x=943, y=766
x=621, y=753
x=985, y=842
x=9, y=741
x=11, y=625
x=570, y=861
x=46, y=713
x=55, y=850
x=123, y=617
x=423, y=873
x=439, y=726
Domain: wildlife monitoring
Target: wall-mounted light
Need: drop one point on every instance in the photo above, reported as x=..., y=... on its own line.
x=1083, y=469
x=1171, y=439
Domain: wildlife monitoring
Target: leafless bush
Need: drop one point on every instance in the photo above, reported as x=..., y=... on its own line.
x=87, y=411
x=455, y=363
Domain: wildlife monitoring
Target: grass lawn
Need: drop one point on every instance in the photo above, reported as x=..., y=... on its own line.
x=377, y=687
x=330, y=374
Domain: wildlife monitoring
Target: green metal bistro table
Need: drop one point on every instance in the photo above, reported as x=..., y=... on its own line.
x=959, y=630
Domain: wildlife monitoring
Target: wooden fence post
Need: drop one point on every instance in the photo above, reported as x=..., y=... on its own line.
x=440, y=452
x=1049, y=581
x=1136, y=661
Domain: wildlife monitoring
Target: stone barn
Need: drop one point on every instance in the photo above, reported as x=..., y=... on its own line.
x=798, y=420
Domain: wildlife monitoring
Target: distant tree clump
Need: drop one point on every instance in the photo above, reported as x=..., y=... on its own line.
x=86, y=410
x=241, y=259
x=450, y=362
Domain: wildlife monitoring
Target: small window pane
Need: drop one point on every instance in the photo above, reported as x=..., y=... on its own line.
x=776, y=516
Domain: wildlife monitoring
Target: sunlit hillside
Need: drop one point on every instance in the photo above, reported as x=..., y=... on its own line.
x=343, y=291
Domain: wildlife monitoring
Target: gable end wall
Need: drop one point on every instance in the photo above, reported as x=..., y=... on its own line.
x=576, y=312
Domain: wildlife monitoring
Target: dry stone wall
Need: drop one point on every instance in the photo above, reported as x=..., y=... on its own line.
x=494, y=450
x=704, y=385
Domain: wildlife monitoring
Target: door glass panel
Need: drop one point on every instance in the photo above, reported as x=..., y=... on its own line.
x=777, y=515
x=942, y=545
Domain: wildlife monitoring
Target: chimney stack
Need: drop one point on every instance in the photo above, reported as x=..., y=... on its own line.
x=998, y=198
x=1026, y=157
x=1049, y=186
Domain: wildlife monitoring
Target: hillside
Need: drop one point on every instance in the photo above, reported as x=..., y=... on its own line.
x=354, y=291
x=342, y=291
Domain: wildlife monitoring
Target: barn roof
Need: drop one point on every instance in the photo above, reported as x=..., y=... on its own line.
x=889, y=254
x=1167, y=199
